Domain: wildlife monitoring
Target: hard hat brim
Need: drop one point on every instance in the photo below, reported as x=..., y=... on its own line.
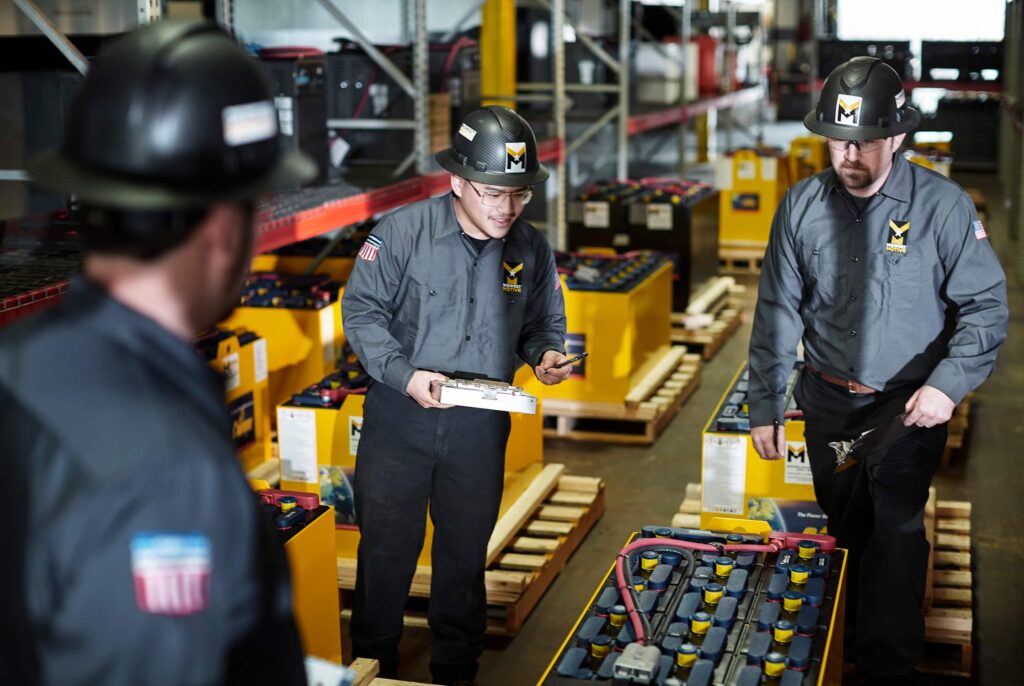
x=53, y=171
x=449, y=163
x=843, y=132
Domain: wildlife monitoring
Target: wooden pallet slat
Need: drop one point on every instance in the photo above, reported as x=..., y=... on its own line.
x=640, y=421
x=710, y=339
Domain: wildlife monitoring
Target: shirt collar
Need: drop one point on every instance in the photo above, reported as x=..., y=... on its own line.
x=449, y=223
x=897, y=186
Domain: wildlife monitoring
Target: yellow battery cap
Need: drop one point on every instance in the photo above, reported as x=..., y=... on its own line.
x=792, y=601
x=798, y=574
x=782, y=632
x=686, y=655
x=600, y=646
x=649, y=560
x=713, y=593
x=774, y=664
x=807, y=549
x=287, y=503
x=700, y=623
x=724, y=565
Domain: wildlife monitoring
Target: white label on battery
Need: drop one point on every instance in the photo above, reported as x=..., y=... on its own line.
x=725, y=474
x=746, y=170
x=620, y=240
x=798, y=466
x=327, y=334
x=596, y=215
x=296, y=437
x=249, y=123
x=259, y=357
x=232, y=372
x=769, y=168
x=659, y=217
x=723, y=174
x=355, y=430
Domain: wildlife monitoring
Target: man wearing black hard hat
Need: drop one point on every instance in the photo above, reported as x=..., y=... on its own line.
x=884, y=271
x=456, y=285
x=135, y=551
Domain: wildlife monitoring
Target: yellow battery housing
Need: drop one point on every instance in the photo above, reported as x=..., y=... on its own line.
x=247, y=395
x=620, y=331
x=318, y=448
x=338, y=268
x=302, y=344
x=808, y=155
x=736, y=482
x=751, y=184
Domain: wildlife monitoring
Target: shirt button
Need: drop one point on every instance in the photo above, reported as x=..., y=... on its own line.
x=472, y=300
x=854, y=259
x=433, y=292
x=475, y=263
x=859, y=220
x=815, y=252
x=852, y=334
x=467, y=338
x=853, y=297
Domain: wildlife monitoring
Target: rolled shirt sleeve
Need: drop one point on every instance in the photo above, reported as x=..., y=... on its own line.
x=777, y=324
x=976, y=287
x=367, y=308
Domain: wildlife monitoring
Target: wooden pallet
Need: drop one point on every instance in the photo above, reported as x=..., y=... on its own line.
x=740, y=260
x=709, y=340
x=948, y=601
x=366, y=674
x=688, y=516
x=958, y=426
x=526, y=566
x=647, y=410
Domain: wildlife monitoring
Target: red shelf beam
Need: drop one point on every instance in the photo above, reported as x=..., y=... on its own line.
x=682, y=114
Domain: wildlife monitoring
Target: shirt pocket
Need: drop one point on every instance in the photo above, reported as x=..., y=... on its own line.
x=899, y=281
x=821, y=272
x=425, y=312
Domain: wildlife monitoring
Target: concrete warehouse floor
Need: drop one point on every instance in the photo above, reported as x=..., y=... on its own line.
x=645, y=485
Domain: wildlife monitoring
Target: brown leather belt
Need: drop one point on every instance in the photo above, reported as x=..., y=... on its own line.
x=850, y=385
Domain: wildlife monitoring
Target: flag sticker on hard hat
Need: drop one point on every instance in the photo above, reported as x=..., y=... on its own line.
x=848, y=109
x=515, y=158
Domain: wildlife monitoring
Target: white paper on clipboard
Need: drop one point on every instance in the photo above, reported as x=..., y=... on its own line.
x=725, y=474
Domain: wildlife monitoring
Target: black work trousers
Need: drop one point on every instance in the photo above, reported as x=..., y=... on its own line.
x=411, y=458
x=877, y=512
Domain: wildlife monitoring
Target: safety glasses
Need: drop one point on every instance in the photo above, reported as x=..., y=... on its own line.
x=495, y=198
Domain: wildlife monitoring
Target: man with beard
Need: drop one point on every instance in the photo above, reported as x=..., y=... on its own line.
x=884, y=271
x=136, y=552
x=455, y=285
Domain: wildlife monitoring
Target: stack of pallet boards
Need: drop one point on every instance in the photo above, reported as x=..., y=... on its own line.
x=958, y=426
x=948, y=602
x=712, y=316
x=549, y=516
x=660, y=388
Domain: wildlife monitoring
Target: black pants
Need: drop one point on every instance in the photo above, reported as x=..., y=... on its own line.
x=878, y=514
x=408, y=457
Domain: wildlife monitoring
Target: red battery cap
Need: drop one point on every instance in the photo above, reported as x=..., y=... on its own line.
x=308, y=501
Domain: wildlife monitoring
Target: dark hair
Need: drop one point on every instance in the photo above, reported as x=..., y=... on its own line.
x=142, y=234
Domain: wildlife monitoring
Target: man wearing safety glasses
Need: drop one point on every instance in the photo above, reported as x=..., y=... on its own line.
x=884, y=271
x=455, y=285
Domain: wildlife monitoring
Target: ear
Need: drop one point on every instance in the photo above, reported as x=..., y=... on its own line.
x=897, y=141
x=219, y=229
x=457, y=186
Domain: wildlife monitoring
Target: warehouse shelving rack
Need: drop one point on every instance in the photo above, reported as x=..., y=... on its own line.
x=299, y=215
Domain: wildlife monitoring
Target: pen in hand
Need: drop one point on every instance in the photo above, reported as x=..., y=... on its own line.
x=569, y=361
x=775, y=434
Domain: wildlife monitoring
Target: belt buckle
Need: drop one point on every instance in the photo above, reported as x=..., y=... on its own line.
x=849, y=386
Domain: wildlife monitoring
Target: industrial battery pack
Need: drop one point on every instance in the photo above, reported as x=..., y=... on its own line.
x=296, y=258
x=298, y=76
x=808, y=155
x=318, y=436
x=751, y=183
x=241, y=358
x=300, y=317
x=304, y=526
x=736, y=482
x=686, y=607
x=618, y=310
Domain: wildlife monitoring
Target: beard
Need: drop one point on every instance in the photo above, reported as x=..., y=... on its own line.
x=855, y=176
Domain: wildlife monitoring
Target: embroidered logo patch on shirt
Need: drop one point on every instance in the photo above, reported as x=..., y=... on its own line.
x=369, y=250
x=171, y=572
x=512, y=272
x=897, y=242
x=979, y=230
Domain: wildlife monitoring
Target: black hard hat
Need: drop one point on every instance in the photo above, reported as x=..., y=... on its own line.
x=862, y=99
x=494, y=145
x=173, y=115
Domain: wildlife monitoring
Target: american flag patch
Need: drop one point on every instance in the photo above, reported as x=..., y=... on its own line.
x=171, y=572
x=369, y=250
x=979, y=230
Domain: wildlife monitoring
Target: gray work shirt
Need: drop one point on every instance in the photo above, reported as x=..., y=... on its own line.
x=907, y=293
x=420, y=297
x=135, y=550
